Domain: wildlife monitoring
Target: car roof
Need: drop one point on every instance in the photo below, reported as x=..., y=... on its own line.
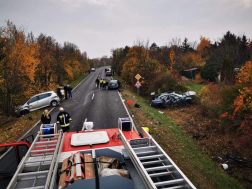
x=44, y=93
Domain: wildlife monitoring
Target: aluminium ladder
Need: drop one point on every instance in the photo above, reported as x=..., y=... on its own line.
x=154, y=166
x=37, y=168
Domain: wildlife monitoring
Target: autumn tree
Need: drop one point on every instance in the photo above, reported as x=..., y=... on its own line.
x=29, y=65
x=203, y=47
x=139, y=62
x=244, y=101
x=104, y=61
x=118, y=59
x=17, y=66
x=44, y=70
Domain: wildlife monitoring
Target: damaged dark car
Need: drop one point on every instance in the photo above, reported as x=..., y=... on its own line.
x=172, y=99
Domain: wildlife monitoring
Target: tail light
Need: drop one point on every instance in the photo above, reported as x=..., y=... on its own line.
x=108, y=84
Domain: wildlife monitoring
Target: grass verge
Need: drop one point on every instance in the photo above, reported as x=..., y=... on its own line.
x=12, y=130
x=195, y=87
x=197, y=166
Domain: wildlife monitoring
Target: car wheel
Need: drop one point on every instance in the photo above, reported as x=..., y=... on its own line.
x=24, y=112
x=54, y=103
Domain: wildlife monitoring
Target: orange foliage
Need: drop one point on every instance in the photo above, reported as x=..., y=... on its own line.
x=244, y=100
x=204, y=42
x=20, y=60
x=29, y=66
x=192, y=59
x=224, y=115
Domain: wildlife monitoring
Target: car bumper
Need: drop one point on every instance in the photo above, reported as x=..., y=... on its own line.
x=113, y=87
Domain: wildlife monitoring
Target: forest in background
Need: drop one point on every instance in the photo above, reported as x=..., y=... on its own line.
x=227, y=100
x=30, y=65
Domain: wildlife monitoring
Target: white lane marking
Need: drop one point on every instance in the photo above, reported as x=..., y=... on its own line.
x=93, y=97
x=134, y=127
x=49, y=112
x=88, y=95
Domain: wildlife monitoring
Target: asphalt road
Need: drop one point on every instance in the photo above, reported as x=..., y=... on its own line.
x=103, y=107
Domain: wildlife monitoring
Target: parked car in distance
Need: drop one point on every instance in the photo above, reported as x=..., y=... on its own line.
x=92, y=69
x=37, y=102
x=109, y=73
x=114, y=84
x=171, y=99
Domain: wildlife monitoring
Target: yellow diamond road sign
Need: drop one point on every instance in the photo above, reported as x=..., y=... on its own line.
x=138, y=76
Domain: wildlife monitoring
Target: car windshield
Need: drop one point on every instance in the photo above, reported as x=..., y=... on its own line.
x=113, y=81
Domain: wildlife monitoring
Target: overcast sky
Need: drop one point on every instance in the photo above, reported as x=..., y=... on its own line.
x=97, y=26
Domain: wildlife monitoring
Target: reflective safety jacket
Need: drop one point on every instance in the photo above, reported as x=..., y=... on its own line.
x=101, y=81
x=63, y=119
x=104, y=81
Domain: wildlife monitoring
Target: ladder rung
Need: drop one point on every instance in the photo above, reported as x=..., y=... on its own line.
x=145, y=153
x=32, y=173
x=159, y=168
x=49, y=135
x=29, y=178
x=146, y=147
x=170, y=182
x=151, y=157
x=161, y=174
x=44, y=146
x=53, y=138
x=34, y=187
x=46, y=142
x=43, y=150
x=38, y=160
x=175, y=187
x=47, y=153
x=152, y=162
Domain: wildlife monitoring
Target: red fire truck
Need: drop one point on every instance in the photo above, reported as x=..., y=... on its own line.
x=116, y=158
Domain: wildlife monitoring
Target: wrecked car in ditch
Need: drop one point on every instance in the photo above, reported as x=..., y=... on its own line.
x=172, y=99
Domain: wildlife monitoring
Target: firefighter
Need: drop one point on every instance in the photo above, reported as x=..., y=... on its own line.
x=64, y=119
x=46, y=117
x=101, y=83
x=97, y=81
x=104, y=84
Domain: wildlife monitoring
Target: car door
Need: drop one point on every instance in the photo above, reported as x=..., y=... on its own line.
x=33, y=103
x=43, y=100
x=10, y=156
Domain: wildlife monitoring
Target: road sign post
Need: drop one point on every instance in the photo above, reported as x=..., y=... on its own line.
x=138, y=84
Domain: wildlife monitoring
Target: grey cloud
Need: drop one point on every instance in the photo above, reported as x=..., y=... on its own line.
x=96, y=26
